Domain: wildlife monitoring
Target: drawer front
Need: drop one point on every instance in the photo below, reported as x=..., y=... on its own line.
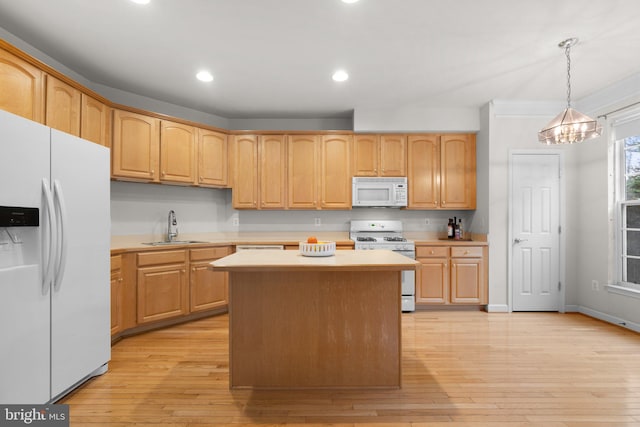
x=116, y=262
x=466, y=252
x=432, y=251
x=202, y=254
x=162, y=257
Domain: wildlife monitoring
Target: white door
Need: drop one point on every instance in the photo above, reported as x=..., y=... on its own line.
x=535, y=232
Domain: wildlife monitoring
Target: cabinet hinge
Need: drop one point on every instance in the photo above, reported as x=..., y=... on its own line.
x=559, y=285
x=559, y=229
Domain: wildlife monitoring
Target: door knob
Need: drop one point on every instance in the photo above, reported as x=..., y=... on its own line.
x=516, y=240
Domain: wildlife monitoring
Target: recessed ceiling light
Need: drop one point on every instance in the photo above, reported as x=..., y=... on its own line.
x=349, y=1
x=340, y=76
x=204, y=76
x=141, y=1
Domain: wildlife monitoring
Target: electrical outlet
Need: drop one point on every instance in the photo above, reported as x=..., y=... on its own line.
x=595, y=286
x=235, y=221
x=317, y=222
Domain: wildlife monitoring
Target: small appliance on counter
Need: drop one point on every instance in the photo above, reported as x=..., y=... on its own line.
x=387, y=234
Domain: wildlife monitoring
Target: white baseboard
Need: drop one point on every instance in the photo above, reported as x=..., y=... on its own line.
x=497, y=308
x=572, y=309
x=610, y=319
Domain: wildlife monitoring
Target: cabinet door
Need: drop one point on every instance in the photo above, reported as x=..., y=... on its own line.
x=136, y=146
x=208, y=287
x=458, y=171
x=212, y=158
x=177, y=153
x=302, y=168
x=63, y=106
x=96, y=121
x=424, y=171
x=21, y=87
x=467, y=281
x=335, y=172
x=117, y=294
x=162, y=292
x=366, y=154
x=272, y=153
x=245, y=172
x=432, y=281
x=393, y=155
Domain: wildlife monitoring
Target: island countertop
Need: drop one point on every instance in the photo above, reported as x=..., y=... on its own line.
x=343, y=260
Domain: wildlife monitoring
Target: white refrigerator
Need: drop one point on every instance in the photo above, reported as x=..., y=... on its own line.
x=54, y=276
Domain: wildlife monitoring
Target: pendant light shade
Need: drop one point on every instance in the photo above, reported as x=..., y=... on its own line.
x=570, y=126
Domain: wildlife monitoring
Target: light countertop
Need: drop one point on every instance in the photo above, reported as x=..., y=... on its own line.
x=136, y=242
x=343, y=260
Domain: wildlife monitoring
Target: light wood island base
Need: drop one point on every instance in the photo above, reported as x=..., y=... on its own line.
x=307, y=323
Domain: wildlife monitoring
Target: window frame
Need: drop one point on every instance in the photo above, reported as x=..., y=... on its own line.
x=619, y=285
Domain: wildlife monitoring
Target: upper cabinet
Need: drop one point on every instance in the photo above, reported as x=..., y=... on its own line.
x=245, y=172
x=136, y=146
x=335, y=172
x=380, y=155
x=63, y=106
x=272, y=158
x=95, y=123
x=177, y=153
x=212, y=158
x=259, y=164
x=302, y=167
x=442, y=171
x=458, y=171
x=21, y=87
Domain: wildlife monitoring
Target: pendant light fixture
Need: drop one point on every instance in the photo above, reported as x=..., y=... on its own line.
x=570, y=126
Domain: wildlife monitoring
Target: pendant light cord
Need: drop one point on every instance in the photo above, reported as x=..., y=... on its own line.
x=567, y=53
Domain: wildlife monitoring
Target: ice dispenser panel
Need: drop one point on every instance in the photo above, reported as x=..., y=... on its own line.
x=13, y=216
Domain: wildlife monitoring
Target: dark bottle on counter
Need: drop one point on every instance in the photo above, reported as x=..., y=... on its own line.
x=450, y=229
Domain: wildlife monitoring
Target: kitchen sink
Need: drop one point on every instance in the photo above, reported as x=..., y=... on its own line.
x=173, y=242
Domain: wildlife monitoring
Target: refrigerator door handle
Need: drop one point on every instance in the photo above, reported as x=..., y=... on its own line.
x=48, y=250
x=62, y=238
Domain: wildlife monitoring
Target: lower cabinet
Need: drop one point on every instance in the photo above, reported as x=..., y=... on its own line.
x=208, y=288
x=451, y=275
x=162, y=285
x=165, y=286
x=117, y=293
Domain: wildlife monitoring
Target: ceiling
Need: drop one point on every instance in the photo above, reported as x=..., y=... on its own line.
x=275, y=58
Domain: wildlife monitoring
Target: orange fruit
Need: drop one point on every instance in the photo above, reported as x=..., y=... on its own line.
x=312, y=239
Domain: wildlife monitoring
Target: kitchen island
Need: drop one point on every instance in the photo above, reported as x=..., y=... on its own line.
x=298, y=322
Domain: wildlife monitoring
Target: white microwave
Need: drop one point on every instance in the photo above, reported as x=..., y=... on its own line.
x=379, y=192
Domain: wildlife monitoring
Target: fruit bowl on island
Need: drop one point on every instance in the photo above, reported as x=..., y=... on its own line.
x=312, y=247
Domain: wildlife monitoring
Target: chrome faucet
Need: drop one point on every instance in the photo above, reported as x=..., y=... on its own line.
x=172, y=226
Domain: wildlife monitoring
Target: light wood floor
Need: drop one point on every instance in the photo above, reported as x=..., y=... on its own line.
x=459, y=369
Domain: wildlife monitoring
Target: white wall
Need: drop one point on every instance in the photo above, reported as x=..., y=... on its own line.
x=416, y=119
x=138, y=208
x=512, y=129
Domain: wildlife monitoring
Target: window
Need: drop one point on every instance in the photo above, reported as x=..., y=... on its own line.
x=626, y=131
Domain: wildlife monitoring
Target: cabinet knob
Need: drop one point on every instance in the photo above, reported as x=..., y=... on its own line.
x=163, y=173
x=432, y=252
x=152, y=172
x=443, y=203
x=201, y=179
x=193, y=269
x=120, y=280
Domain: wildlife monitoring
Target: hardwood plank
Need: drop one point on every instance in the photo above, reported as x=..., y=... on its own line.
x=458, y=369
